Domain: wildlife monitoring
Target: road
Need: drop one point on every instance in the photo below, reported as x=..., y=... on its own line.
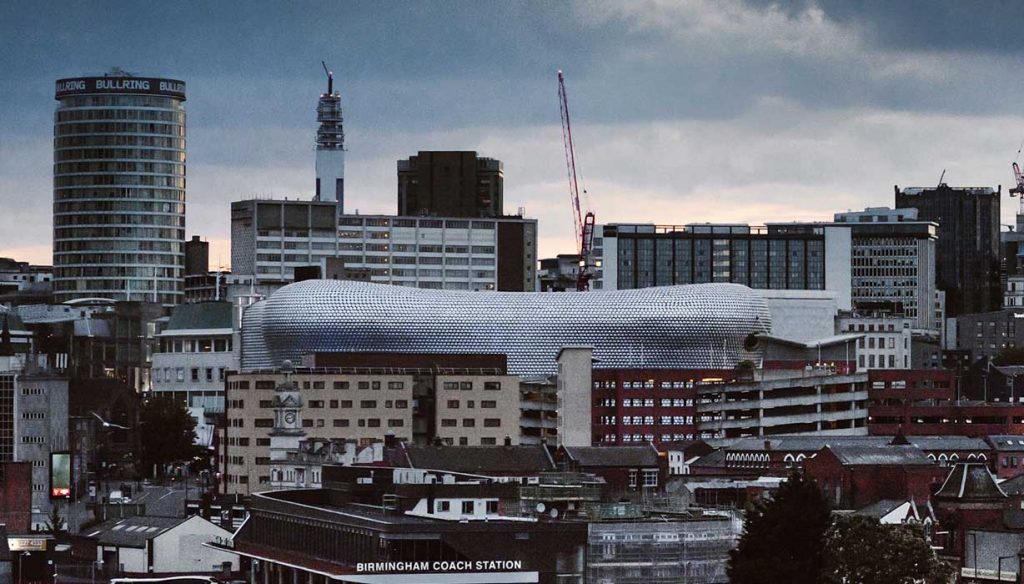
x=166, y=501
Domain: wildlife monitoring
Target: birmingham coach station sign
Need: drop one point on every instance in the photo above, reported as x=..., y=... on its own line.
x=130, y=85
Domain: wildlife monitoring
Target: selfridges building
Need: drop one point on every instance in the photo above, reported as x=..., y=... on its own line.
x=700, y=326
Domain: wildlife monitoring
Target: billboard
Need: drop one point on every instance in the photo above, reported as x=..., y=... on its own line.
x=60, y=475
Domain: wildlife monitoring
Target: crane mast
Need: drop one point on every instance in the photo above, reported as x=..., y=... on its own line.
x=583, y=223
x=1019, y=189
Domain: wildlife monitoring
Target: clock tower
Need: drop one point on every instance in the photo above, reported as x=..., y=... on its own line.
x=287, y=432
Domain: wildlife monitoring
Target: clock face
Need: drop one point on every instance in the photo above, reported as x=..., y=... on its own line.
x=289, y=417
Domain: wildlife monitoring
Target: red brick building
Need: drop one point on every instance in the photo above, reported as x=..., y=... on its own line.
x=625, y=468
x=16, y=496
x=853, y=477
x=968, y=500
x=925, y=402
x=639, y=406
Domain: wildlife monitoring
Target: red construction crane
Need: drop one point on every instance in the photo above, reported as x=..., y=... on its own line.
x=583, y=223
x=1019, y=189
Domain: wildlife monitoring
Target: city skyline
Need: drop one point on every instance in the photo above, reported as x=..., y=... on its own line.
x=692, y=112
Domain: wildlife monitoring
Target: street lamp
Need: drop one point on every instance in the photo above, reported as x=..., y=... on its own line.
x=20, y=556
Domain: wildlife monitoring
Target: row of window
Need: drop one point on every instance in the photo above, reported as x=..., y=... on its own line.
x=647, y=420
x=652, y=384
x=199, y=345
x=271, y=384
x=470, y=422
x=197, y=374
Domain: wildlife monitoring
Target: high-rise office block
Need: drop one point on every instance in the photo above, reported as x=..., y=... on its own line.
x=893, y=264
x=780, y=256
x=968, y=251
x=119, y=188
x=450, y=184
x=330, y=148
x=271, y=239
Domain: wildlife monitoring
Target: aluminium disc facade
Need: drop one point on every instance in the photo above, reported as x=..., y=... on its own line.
x=700, y=326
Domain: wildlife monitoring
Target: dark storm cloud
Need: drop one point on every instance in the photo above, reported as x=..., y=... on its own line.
x=677, y=102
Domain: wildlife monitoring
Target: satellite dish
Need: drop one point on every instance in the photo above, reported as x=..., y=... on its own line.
x=553, y=513
x=540, y=507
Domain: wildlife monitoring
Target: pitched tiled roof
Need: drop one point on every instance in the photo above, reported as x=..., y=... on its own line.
x=1007, y=442
x=970, y=482
x=861, y=455
x=613, y=455
x=798, y=443
x=480, y=459
x=133, y=531
x=948, y=443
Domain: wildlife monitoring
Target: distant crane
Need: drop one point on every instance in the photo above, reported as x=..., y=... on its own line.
x=1018, y=191
x=583, y=223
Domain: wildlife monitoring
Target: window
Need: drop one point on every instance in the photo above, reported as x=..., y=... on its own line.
x=451, y=384
x=316, y=403
x=486, y=404
x=448, y=423
x=195, y=374
x=492, y=507
x=375, y=385
x=468, y=423
x=364, y=385
x=466, y=385
x=259, y=442
x=453, y=404
x=468, y=507
x=264, y=384
x=340, y=385
x=492, y=422
x=650, y=478
x=396, y=385
x=266, y=403
x=442, y=506
x=632, y=478
x=396, y=423
x=401, y=404
x=209, y=374
x=368, y=403
x=334, y=403
x=338, y=423
x=307, y=423
x=346, y=403
x=488, y=441
x=492, y=385
x=264, y=422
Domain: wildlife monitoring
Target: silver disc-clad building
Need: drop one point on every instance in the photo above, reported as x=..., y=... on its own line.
x=702, y=326
x=119, y=188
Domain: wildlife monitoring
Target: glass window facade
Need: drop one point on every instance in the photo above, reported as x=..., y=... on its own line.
x=783, y=261
x=119, y=197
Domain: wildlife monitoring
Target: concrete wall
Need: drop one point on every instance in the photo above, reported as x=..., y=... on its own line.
x=803, y=315
x=181, y=549
x=838, y=275
x=574, y=384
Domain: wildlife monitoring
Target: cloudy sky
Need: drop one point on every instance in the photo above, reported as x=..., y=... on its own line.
x=684, y=111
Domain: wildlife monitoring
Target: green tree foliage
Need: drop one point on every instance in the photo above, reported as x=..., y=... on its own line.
x=168, y=433
x=783, y=539
x=863, y=551
x=55, y=522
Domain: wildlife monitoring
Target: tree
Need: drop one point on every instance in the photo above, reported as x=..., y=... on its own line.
x=783, y=539
x=863, y=551
x=55, y=522
x=168, y=433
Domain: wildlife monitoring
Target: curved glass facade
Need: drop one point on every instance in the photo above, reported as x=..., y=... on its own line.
x=119, y=189
x=700, y=326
